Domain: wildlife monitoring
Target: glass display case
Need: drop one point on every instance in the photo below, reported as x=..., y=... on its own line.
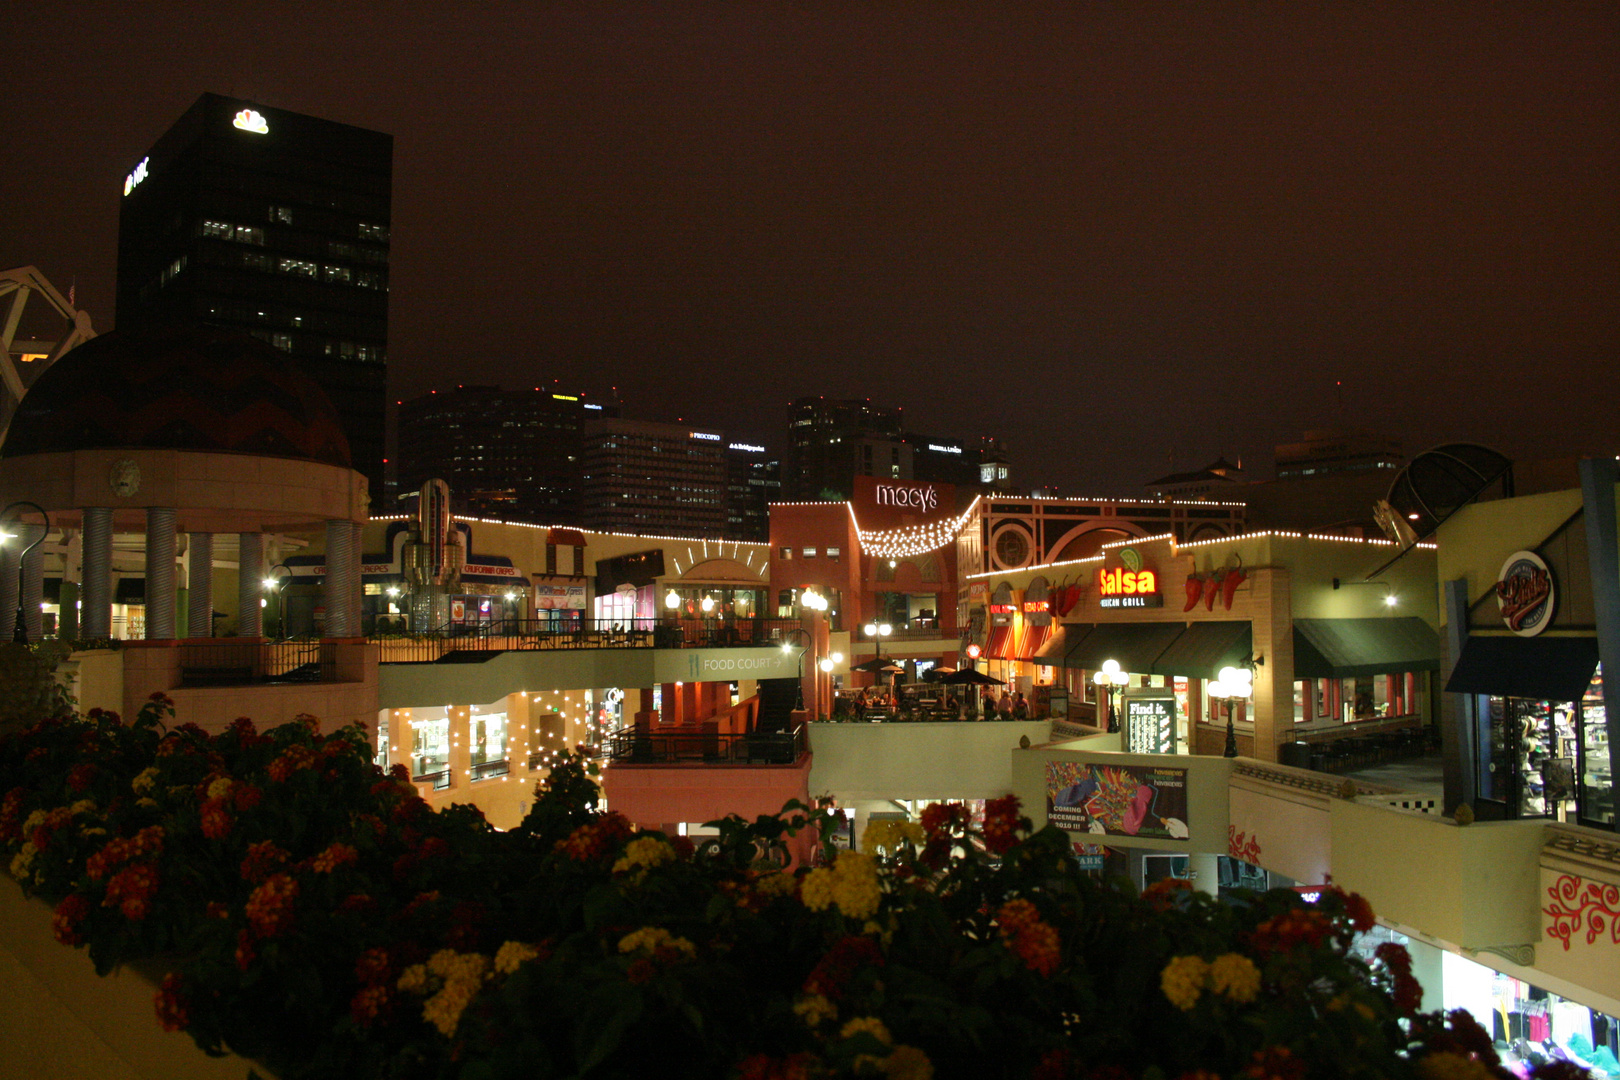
x=1597, y=788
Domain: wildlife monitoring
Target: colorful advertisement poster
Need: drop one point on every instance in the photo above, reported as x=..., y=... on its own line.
x=1117, y=800
x=559, y=594
x=1090, y=856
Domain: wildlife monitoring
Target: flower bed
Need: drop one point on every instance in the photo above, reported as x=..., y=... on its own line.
x=314, y=915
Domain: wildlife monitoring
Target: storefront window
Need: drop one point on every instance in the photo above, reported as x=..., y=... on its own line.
x=487, y=739
x=1597, y=790
x=1532, y=757
x=430, y=749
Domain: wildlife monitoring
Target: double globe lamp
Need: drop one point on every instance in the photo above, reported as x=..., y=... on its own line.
x=1232, y=686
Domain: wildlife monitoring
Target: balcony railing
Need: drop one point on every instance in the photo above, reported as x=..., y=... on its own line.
x=687, y=747
x=506, y=635
x=222, y=662
x=486, y=770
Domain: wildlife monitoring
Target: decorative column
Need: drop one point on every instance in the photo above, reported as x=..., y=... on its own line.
x=159, y=574
x=342, y=565
x=1205, y=870
x=8, y=587
x=33, y=593
x=200, y=605
x=98, y=572
x=249, y=591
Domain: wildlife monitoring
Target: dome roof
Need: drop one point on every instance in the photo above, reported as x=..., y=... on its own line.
x=178, y=388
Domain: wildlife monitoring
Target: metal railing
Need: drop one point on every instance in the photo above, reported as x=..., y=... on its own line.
x=487, y=769
x=688, y=746
x=223, y=662
x=505, y=635
x=440, y=780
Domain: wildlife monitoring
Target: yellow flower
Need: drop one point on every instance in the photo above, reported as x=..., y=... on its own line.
x=908, y=1063
x=855, y=887
x=219, y=788
x=512, y=955
x=644, y=853
x=869, y=1024
x=815, y=1010
x=84, y=806
x=146, y=804
x=145, y=781
x=889, y=835
x=414, y=979
x=1448, y=1066
x=1183, y=981
x=23, y=861
x=1235, y=976
x=33, y=821
x=652, y=939
x=817, y=890
x=775, y=884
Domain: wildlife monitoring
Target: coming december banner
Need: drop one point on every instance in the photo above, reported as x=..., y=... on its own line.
x=1117, y=800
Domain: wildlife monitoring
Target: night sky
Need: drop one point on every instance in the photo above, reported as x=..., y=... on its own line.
x=1124, y=237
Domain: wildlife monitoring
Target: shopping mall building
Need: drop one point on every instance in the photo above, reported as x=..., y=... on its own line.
x=192, y=524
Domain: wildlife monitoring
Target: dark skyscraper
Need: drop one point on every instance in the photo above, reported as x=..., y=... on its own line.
x=511, y=454
x=276, y=224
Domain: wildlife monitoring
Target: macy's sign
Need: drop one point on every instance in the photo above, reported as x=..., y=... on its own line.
x=918, y=498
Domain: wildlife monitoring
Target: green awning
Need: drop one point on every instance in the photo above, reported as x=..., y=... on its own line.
x=1136, y=646
x=1206, y=647
x=1541, y=668
x=1346, y=648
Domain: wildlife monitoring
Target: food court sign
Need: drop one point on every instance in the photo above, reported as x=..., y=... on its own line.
x=1525, y=594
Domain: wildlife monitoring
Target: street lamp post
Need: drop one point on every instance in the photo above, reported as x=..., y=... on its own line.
x=20, y=628
x=276, y=585
x=1232, y=686
x=1111, y=680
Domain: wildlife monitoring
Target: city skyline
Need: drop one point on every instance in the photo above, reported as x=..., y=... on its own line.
x=1124, y=243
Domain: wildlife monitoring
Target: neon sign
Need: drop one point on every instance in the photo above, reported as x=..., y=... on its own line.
x=945, y=449
x=705, y=435
x=137, y=176
x=249, y=120
x=750, y=447
x=1121, y=588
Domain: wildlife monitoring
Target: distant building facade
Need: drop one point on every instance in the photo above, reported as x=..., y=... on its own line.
x=277, y=224
x=661, y=479
x=753, y=482
x=510, y=454
x=1322, y=453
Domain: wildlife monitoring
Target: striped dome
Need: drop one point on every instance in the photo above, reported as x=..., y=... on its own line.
x=178, y=388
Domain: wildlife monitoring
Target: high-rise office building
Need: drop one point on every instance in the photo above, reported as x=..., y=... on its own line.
x=753, y=482
x=650, y=478
x=277, y=224
x=832, y=441
x=512, y=454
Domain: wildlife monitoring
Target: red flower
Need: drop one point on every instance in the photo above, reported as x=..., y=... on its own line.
x=1031, y=937
x=216, y=818
x=1282, y=933
x=11, y=813
x=593, y=840
x=943, y=817
x=373, y=966
x=1360, y=912
x=830, y=977
x=370, y=1004
x=132, y=889
x=358, y=904
x=149, y=841
x=245, y=952
x=641, y=970
x=80, y=777
x=67, y=917
x=271, y=908
x=1406, y=991
x=400, y=771
x=217, y=910
x=291, y=760
x=263, y=859
x=1162, y=893
x=420, y=901
x=333, y=857
x=1002, y=823
x=246, y=796
x=684, y=848
x=171, y=1004
x=1054, y=1065
x=1275, y=1063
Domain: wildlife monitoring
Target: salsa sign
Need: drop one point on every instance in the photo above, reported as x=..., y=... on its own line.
x=1525, y=594
x=1123, y=588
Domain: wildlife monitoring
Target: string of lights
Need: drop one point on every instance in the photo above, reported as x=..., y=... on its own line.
x=910, y=540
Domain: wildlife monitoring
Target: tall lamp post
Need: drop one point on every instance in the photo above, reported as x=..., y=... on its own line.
x=19, y=632
x=1232, y=686
x=276, y=585
x=1111, y=680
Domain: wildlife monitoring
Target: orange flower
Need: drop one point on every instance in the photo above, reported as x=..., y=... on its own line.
x=67, y=917
x=171, y=1004
x=270, y=909
x=291, y=760
x=263, y=859
x=1032, y=938
x=132, y=889
x=216, y=818
x=333, y=857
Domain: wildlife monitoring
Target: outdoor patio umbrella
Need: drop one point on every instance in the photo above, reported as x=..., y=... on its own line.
x=938, y=674
x=971, y=676
x=878, y=664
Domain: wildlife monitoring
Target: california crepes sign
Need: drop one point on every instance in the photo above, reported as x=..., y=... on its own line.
x=1525, y=594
